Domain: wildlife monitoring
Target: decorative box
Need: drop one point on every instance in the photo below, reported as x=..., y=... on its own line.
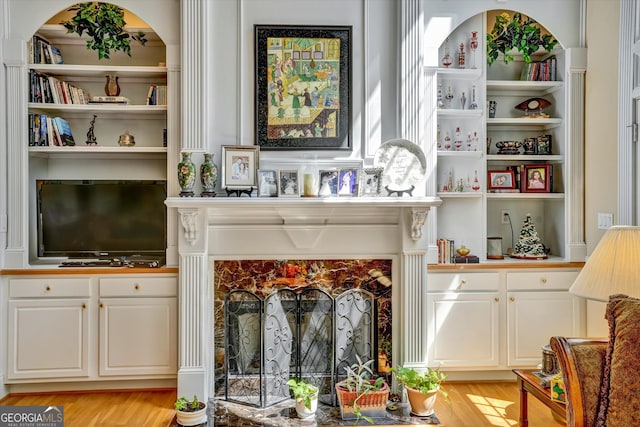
x=558, y=392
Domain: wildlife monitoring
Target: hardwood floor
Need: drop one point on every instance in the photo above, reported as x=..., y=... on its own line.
x=477, y=404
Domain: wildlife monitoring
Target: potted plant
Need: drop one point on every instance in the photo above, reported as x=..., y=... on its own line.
x=422, y=388
x=361, y=396
x=104, y=24
x=190, y=412
x=306, y=396
x=518, y=33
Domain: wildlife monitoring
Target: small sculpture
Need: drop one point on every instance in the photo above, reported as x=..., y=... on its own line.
x=91, y=138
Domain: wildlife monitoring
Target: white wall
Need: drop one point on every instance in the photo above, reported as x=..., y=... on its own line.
x=601, y=162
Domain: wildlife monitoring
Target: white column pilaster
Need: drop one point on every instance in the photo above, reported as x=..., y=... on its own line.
x=575, y=194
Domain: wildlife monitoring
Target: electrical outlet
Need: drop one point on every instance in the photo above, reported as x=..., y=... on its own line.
x=505, y=214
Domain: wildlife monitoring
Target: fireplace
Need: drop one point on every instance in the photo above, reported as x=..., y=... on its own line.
x=216, y=236
x=309, y=319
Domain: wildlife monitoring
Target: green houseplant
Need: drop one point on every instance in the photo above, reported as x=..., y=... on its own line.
x=104, y=24
x=517, y=32
x=190, y=412
x=360, y=396
x=306, y=396
x=422, y=388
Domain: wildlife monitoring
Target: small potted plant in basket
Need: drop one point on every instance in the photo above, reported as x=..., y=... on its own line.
x=306, y=396
x=422, y=388
x=190, y=412
x=361, y=396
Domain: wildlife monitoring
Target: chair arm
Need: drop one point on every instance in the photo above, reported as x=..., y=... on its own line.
x=581, y=361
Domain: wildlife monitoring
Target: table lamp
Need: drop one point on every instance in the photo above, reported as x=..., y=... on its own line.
x=613, y=268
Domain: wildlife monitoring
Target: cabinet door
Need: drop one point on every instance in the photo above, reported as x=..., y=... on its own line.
x=463, y=329
x=138, y=336
x=48, y=338
x=533, y=318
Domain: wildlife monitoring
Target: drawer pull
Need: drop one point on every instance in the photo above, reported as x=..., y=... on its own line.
x=84, y=306
x=136, y=287
x=496, y=299
x=543, y=280
x=512, y=299
x=101, y=305
x=47, y=288
x=463, y=282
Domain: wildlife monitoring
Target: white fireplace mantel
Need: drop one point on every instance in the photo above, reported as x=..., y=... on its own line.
x=304, y=228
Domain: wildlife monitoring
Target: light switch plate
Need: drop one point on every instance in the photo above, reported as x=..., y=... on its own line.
x=605, y=221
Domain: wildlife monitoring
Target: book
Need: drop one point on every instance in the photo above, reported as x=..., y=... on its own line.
x=467, y=259
x=65, y=131
x=109, y=100
x=55, y=54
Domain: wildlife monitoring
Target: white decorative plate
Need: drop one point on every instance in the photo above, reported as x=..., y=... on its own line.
x=403, y=164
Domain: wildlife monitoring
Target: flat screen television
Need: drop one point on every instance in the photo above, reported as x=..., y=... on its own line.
x=101, y=218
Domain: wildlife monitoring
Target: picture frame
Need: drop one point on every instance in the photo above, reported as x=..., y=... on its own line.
x=303, y=87
x=239, y=167
x=501, y=180
x=348, y=182
x=371, y=181
x=544, y=144
x=328, y=180
x=537, y=178
x=288, y=183
x=267, y=183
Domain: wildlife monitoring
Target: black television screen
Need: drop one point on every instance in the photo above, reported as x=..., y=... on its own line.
x=96, y=218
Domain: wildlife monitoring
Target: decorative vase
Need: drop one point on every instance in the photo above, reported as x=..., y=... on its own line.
x=186, y=175
x=422, y=404
x=208, y=176
x=446, y=59
x=112, y=87
x=461, y=56
x=473, y=45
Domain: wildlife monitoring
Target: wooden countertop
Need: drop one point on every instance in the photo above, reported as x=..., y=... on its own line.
x=85, y=270
x=505, y=265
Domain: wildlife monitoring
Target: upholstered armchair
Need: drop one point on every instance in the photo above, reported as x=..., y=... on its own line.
x=602, y=378
x=582, y=364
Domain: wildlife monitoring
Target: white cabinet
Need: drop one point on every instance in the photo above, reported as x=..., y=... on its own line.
x=473, y=318
x=463, y=326
x=92, y=328
x=138, y=326
x=48, y=328
x=497, y=319
x=539, y=306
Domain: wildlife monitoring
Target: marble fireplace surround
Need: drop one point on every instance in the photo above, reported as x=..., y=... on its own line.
x=242, y=228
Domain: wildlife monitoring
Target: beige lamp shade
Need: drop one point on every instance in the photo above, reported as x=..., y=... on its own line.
x=613, y=268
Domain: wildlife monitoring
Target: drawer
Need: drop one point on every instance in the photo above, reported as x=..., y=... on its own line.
x=463, y=281
x=540, y=280
x=43, y=287
x=138, y=286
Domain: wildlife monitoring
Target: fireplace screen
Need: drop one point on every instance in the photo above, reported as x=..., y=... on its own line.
x=307, y=335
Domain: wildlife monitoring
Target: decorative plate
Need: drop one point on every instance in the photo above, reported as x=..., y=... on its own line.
x=403, y=164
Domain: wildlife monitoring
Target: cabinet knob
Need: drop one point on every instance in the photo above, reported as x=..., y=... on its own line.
x=84, y=306
x=496, y=299
x=463, y=282
x=543, y=280
x=512, y=299
x=136, y=287
x=101, y=305
x=47, y=288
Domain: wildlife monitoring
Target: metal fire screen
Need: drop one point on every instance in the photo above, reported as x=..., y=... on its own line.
x=307, y=335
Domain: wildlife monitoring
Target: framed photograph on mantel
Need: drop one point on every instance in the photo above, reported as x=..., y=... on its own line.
x=303, y=87
x=239, y=167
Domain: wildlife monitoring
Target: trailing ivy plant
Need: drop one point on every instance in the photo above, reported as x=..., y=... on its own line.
x=104, y=24
x=517, y=33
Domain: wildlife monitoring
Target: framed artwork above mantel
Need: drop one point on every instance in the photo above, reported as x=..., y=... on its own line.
x=303, y=87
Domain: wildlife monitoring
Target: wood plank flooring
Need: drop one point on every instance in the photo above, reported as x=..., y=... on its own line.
x=472, y=404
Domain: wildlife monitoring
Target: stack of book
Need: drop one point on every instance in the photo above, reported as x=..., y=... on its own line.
x=49, y=131
x=540, y=71
x=50, y=90
x=157, y=95
x=447, y=254
x=41, y=51
x=109, y=100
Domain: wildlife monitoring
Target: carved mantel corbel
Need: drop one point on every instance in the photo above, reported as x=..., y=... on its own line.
x=418, y=218
x=189, y=221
